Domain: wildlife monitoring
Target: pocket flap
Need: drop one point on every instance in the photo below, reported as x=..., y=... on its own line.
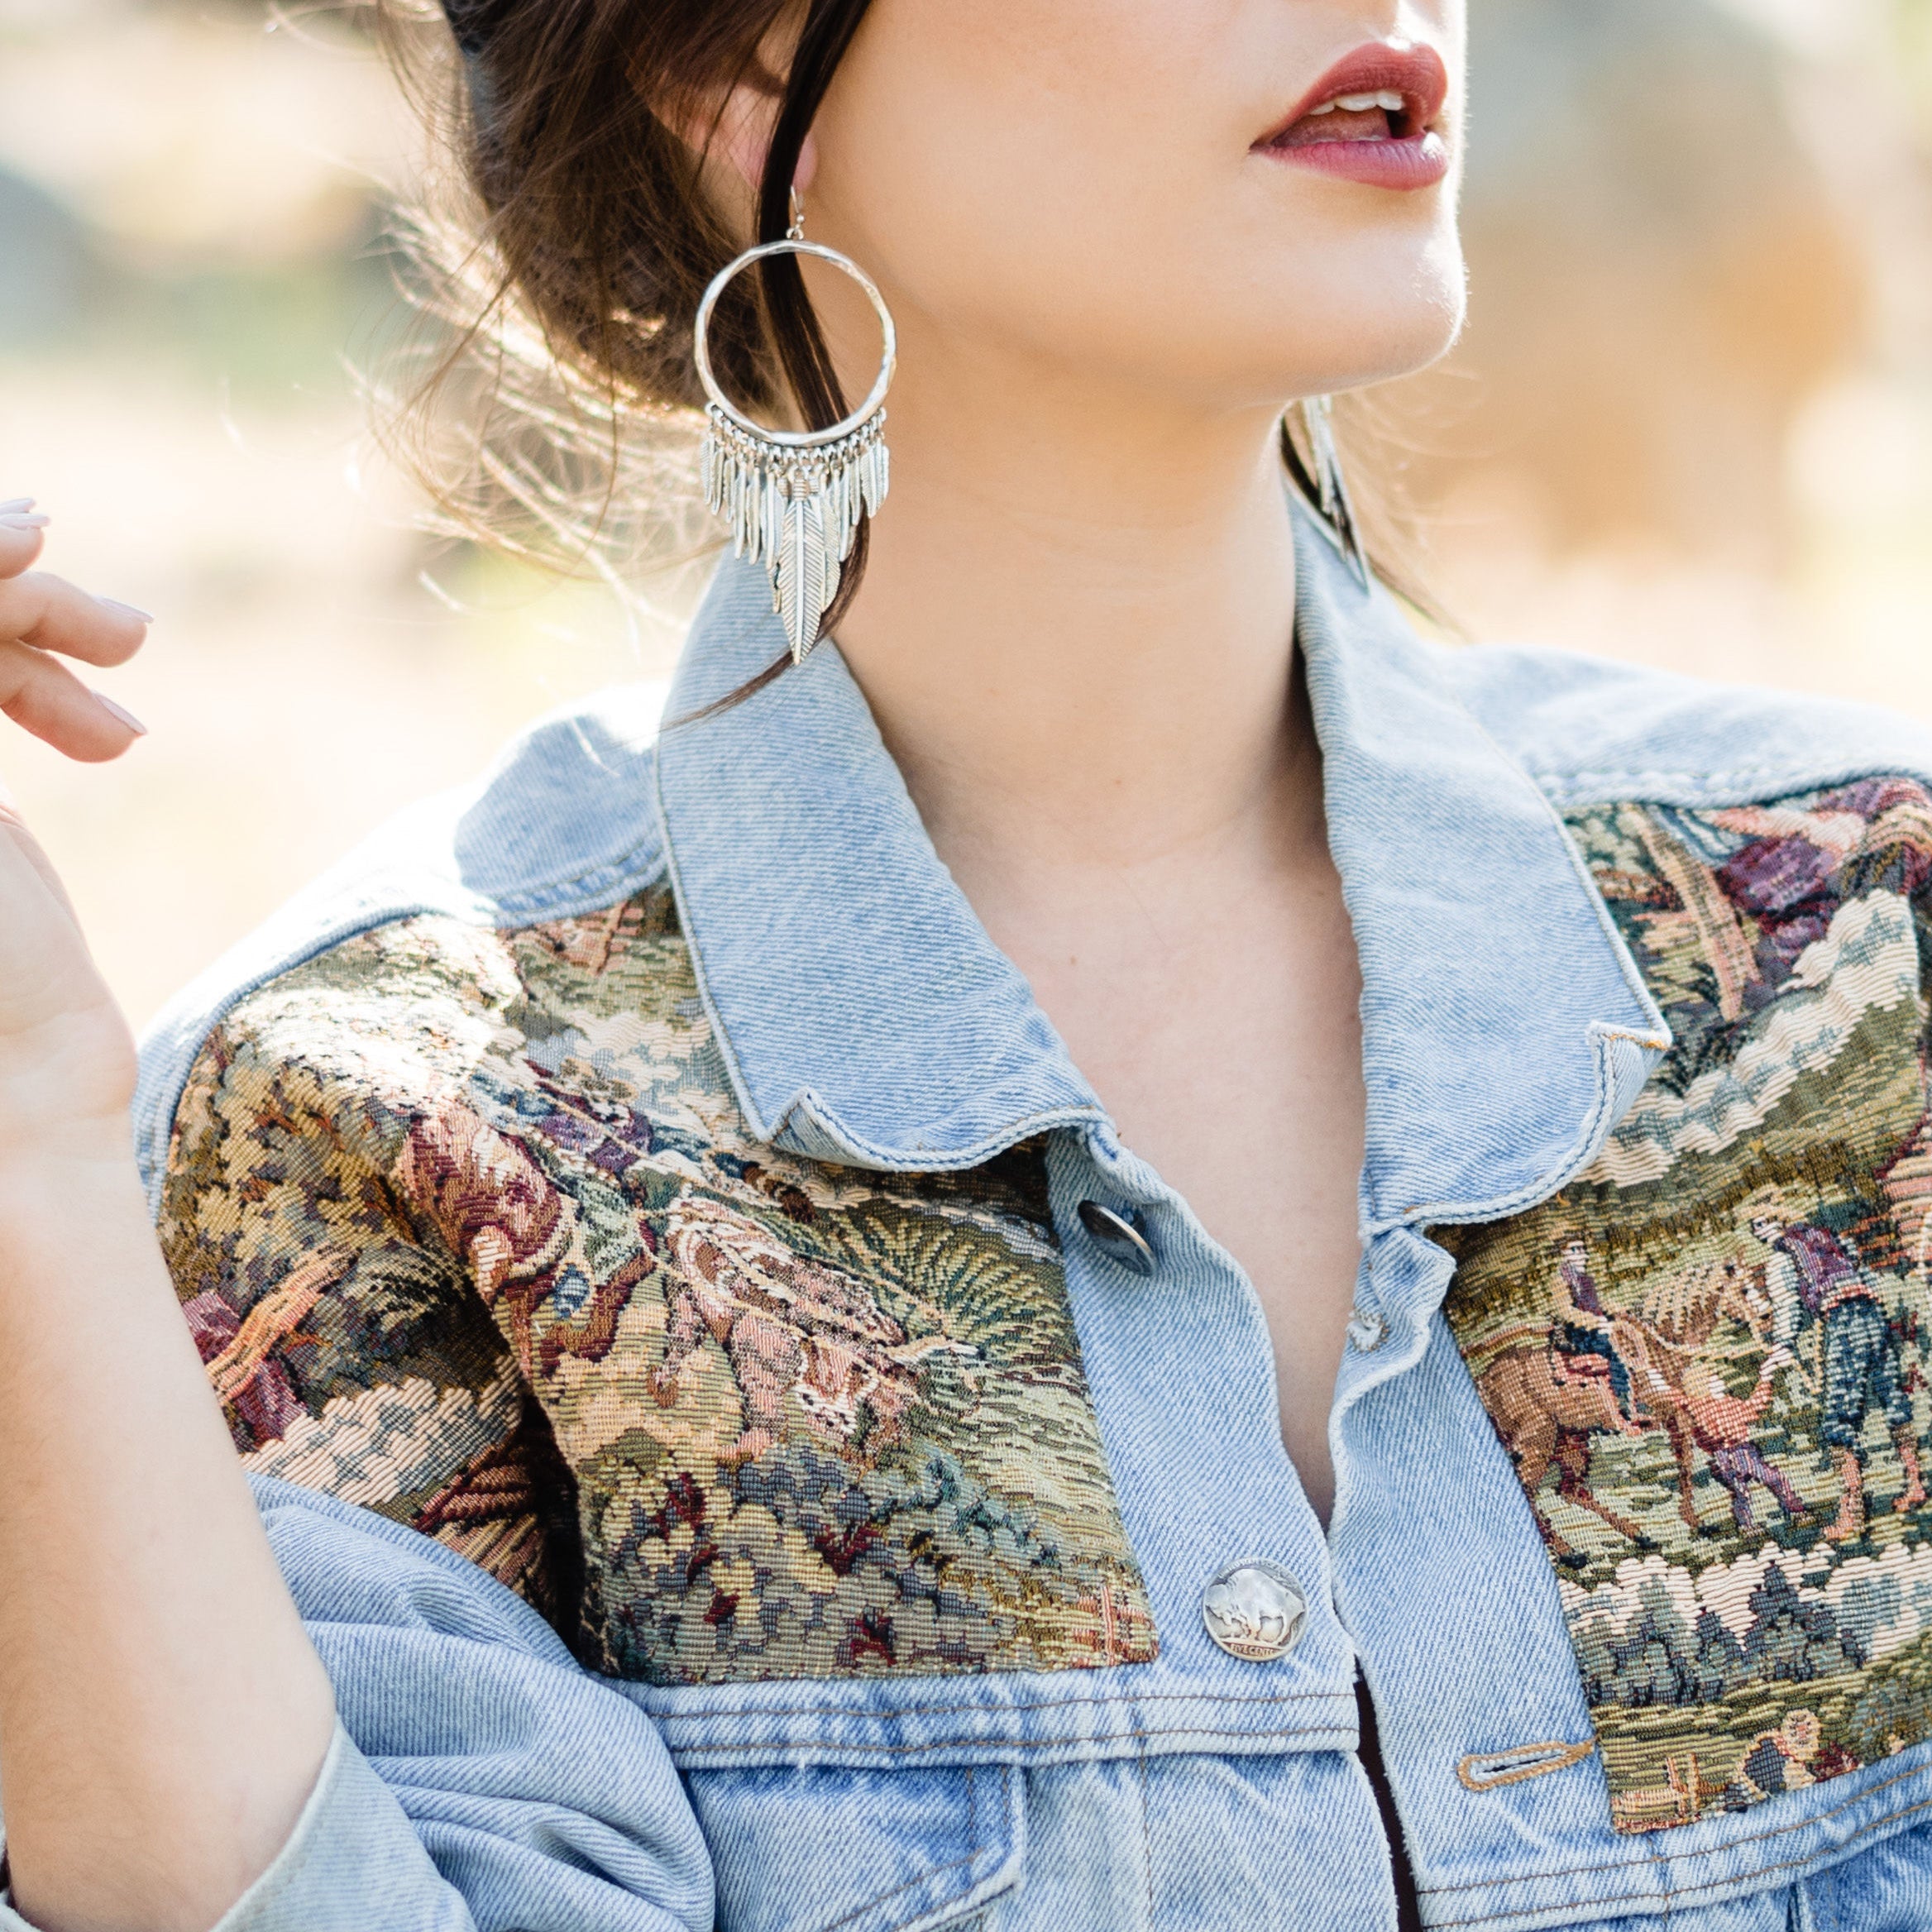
x=860, y=1851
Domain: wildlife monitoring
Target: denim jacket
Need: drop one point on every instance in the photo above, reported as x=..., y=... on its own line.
x=754, y=1448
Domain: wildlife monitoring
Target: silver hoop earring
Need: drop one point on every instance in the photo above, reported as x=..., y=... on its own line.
x=1331, y=497
x=792, y=499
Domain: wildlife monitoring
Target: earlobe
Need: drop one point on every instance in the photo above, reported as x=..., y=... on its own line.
x=743, y=134
x=743, y=139
x=739, y=137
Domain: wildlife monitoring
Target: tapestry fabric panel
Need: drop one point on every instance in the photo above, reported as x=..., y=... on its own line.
x=1706, y=1356
x=469, y=1230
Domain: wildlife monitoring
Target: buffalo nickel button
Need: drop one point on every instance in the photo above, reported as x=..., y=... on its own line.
x=1254, y=1611
x=1117, y=1237
x=1367, y=1331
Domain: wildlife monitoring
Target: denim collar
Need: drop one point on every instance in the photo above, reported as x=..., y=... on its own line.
x=865, y=1017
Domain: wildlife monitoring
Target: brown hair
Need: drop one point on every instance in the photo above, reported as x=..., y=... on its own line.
x=565, y=260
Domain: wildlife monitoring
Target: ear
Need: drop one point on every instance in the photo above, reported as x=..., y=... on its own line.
x=732, y=133
x=743, y=138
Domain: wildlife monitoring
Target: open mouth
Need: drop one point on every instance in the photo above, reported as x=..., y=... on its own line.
x=1373, y=117
x=1384, y=115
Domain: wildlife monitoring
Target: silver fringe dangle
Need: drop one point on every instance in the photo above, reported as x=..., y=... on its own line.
x=790, y=498
x=1317, y=414
x=796, y=511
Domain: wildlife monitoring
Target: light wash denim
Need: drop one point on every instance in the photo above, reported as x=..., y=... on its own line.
x=481, y=1779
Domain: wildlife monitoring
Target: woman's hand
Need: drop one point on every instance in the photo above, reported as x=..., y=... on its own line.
x=66, y=1058
x=162, y=1714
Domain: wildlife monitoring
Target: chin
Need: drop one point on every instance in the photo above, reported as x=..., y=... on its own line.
x=1382, y=346
x=1313, y=329
x=1345, y=331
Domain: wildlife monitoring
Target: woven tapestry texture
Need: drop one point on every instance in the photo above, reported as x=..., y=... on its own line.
x=1706, y=1356
x=469, y=1231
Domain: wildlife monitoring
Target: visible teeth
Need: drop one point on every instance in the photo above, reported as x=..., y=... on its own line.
x=1388, y=100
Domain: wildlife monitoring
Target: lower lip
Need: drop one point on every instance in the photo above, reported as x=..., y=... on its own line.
x=1422, y=161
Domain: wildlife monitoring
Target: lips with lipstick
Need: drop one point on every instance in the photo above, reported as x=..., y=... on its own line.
x=1373, y=118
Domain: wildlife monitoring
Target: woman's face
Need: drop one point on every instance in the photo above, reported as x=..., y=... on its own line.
x=1132, y=190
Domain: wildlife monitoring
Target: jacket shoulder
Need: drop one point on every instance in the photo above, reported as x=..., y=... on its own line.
x=358, y=1233
x=564, y=825
x=1591, y=730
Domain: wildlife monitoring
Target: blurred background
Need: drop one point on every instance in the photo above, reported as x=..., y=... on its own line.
x=1692, y=423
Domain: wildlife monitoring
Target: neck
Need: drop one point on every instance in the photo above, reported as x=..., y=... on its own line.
x=1076, y=628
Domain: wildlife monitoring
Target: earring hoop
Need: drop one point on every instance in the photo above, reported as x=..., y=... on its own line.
x=1330, y=484
x=793, y=498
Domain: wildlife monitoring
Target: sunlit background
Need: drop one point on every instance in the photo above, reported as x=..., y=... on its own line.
x=1692, y=422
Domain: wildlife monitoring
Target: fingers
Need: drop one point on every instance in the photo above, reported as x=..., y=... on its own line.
x=43, y=696
x=52, y=614
x=41, y=614
x=20, y=534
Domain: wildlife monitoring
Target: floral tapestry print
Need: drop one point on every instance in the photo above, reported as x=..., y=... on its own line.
x=1706, y=1358
x=469, y=1231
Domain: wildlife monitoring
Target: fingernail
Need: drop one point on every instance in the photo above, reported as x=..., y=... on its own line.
x=122, y=712
x=26, y=522
x=127, y=610
x=16, y=503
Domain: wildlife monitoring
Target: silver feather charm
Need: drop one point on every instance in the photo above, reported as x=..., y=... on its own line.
x=807, y=575
x=1331, y=484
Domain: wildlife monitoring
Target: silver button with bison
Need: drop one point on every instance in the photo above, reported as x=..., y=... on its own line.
x=1254, y=1611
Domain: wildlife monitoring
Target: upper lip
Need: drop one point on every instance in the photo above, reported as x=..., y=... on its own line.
x=1413, y=69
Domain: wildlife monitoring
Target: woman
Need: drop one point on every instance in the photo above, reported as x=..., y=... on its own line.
x=926, y=1304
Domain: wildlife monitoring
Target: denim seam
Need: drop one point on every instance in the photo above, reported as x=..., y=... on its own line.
x=1717, y=1885
x=689, y=1751
x=1626, y=964
x=1146, y=1835
x=1583, y=788
x=635, y=869
x=694, y=950
x=1632, y=979
x=911, y=1160
x=1829, y=1879
x=1752, y=1838
x=1006, y=1709
x=925, y=1877
x=1656, y=1038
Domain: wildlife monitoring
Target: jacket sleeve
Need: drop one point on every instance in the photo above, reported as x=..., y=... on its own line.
x=479, y=1780
x=346, y=1239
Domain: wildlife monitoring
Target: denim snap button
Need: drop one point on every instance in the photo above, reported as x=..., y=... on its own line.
x=1367, y=1331
x=1117, y=1237
x=1254, y=1611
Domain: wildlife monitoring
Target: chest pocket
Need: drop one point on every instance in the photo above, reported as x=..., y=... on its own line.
x=857, y=1851
x=1705, y=1357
